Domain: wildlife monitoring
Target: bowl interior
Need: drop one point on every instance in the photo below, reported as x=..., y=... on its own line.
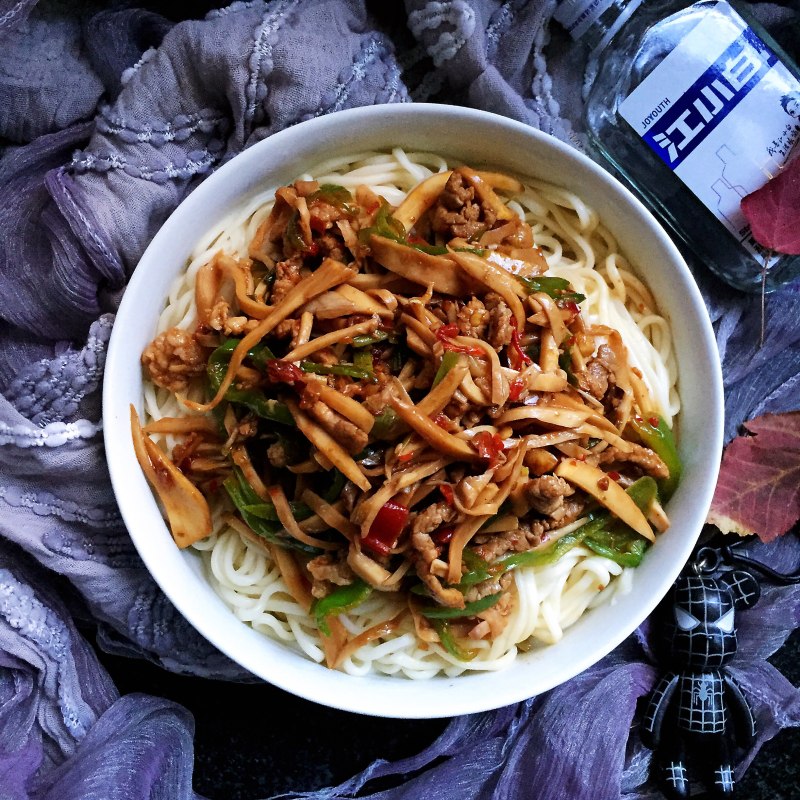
x=478, y=139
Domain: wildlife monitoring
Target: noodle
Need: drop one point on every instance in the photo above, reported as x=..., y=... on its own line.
x=545, y=599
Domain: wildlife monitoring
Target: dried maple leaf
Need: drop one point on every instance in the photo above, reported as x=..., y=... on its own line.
x=758, y=490
x=773, y=211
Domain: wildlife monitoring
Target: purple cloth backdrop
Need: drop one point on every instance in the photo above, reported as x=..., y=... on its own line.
x=109, y=116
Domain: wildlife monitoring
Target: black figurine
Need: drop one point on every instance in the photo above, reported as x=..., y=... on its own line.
x=697, y=712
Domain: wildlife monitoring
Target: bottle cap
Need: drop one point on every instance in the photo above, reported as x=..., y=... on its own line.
x=577, y=16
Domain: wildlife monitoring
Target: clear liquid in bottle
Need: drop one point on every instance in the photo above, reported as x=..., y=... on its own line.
x=697, y=107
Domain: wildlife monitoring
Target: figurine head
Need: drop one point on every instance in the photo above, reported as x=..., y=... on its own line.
x=701, y=627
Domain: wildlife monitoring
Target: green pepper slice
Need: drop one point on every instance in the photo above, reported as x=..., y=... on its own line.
x=348, y=370
x=365, y=340
x=660, y=439
x=331, y=495
x=255, y=401
x=384, y=225
x=448, y=641
x=618, y=543
x=449, y=360
x=557, y=288
x=336, y=196
x=262, y=510
x=243, y=496
x=642, y=492
x=338, y=601
x=469, y=610
x=385, y=426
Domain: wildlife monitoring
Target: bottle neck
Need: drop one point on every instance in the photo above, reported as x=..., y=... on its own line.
x=594, y=22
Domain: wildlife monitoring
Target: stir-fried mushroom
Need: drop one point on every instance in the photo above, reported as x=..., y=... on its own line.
x=352, y=438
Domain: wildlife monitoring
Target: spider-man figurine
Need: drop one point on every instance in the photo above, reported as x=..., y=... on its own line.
x=697, y=712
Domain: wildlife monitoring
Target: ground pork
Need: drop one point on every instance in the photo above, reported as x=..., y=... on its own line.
x=287, y=276
x=472, y=319
x=501, y=327
x=599, y=374
x=173, y=358
x=277, y=455
x=642, y=457
x=490, y=546
x=487, y=587
x=546, y=494
x=433, y=517
x=328, y=571
x=458, y=212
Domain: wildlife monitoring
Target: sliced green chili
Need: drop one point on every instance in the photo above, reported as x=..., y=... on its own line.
x=449, y=360
x=331, y=494
x=384, y=225
x=252, y=399
x=642, y=492
x=660, y=439
x=469, y=610
x=362, y=359
x=262, y=510
x=292, y=235
x=476, y=251
x=400, y=354
x=338, y=601
x=385, y=426
x=557, y=288
x=618, y=543
x=565, y=362
x=448, y=641
x=365, y=340
x=336, y=196
x=479, y=569
x=348, y=370
x=243, y=497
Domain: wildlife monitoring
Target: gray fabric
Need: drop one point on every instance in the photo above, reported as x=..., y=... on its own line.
x=109, y=118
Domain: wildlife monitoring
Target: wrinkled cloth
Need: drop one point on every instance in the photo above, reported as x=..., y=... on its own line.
x=109, y=117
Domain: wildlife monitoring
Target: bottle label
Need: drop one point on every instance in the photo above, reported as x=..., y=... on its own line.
x=577, y=16
x=722, y=112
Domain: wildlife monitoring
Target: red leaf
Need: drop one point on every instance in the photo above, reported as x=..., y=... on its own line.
x=758, y=490
x=773, y=211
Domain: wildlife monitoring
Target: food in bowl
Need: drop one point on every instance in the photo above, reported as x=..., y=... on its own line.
x=415, y=417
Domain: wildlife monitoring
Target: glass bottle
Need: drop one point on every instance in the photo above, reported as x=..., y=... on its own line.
x=696, y=106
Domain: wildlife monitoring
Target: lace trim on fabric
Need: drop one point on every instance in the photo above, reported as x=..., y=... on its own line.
x=434, y=15
x=207, y=121
x=376, y=49
x=52, y=389
x=46, y=633
x=53, y=435
x=260, y=61
x=197, y=162
x=45, y=504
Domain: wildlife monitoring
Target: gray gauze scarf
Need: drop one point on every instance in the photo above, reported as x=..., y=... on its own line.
x=109, y=118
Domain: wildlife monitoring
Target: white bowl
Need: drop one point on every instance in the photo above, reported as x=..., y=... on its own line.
x=475, y=138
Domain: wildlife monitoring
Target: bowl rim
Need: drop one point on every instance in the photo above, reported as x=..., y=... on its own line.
x=365, y=695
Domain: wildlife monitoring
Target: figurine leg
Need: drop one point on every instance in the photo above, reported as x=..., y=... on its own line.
x=719, y=770
x=673, y=771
